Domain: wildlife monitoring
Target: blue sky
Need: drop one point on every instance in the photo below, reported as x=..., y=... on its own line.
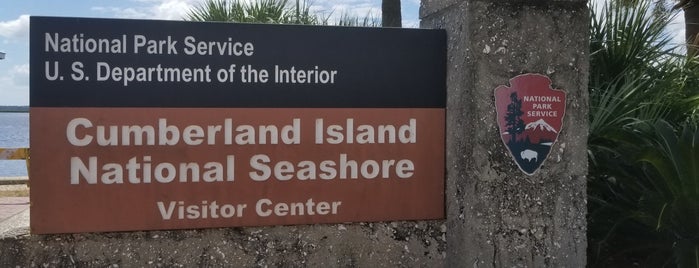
x=14, y=26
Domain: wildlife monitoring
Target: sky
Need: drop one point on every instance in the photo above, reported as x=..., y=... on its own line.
x=14, y=26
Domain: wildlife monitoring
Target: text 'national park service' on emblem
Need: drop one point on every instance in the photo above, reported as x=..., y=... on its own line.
x=530, y=115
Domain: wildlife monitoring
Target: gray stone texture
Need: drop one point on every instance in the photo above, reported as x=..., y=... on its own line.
x=397, y=244
x=496, y=215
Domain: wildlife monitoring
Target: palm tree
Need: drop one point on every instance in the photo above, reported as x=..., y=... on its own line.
x=270, y=11
x=262, y=11
x=390, y=13
x=647, y=211
x=637, y=82
x=691, y=18
x=691, y=22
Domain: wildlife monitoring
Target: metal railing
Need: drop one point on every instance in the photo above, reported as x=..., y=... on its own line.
x=15, y=154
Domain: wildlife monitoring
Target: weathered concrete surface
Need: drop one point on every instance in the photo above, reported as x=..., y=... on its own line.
x=399, y=244
x=496, y=215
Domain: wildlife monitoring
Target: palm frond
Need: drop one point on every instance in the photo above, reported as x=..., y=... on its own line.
x=270, y=11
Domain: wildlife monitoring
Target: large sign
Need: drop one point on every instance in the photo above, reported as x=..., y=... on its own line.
x=139, y=125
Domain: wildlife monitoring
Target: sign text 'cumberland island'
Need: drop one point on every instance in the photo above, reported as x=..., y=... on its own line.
x=140, y=125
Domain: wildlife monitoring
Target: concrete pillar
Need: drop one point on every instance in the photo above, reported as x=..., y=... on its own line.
x=497, y=216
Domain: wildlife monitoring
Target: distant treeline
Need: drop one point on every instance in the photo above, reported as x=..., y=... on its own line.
x=14, y=109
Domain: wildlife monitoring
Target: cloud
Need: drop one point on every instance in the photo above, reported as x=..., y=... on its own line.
x=15, y=86
x=407, y=23
x=20, y=74
x=151, y=9
x=677, y=28
x=124, y=13
x=173, y=9
x=17, y=29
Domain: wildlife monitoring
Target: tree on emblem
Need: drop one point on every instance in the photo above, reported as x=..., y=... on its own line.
x=513, y=117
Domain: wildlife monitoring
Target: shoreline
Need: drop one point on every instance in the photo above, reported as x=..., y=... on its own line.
x=14, y=109
x=14, y=180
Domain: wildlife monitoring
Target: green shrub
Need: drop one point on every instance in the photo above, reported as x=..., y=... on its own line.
x=272, y=12
x=641, y=94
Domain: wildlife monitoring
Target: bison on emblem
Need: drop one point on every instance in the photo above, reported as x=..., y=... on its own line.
x=528, y=155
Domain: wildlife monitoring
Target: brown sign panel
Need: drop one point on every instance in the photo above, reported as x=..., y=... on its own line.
x=113, y=169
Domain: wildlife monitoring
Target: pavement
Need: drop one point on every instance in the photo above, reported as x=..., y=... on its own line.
x=14, y=216
x=14, y=211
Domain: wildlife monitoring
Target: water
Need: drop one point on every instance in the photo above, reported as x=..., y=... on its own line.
x=14, y=132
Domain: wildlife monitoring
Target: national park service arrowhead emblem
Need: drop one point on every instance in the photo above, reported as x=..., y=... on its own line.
x=530, y=115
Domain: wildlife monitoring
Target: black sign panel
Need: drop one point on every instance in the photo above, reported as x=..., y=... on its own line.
x=145, y=63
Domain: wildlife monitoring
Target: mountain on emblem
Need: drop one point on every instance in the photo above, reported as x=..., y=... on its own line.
x=540, y=124
x=540, y=132
x=530, y=117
